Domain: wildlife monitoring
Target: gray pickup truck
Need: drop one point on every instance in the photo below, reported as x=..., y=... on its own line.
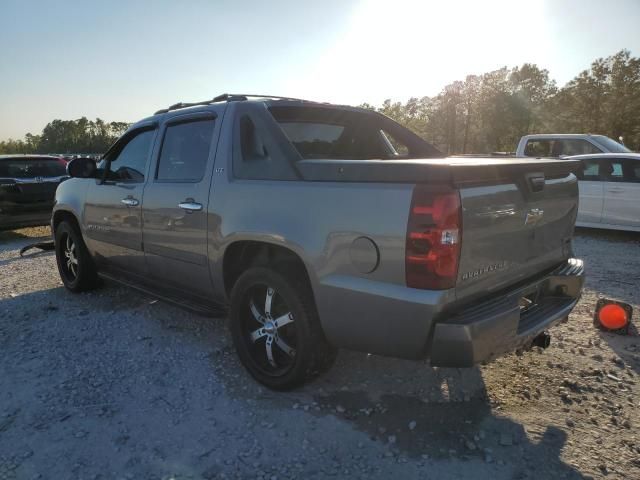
x=325, y=227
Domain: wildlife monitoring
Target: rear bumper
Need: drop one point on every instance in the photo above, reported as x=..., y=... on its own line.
x=29, y=213
x=22, y=220
x=489, y=329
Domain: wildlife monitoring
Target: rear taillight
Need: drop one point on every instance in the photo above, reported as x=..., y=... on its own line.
x=433, y=239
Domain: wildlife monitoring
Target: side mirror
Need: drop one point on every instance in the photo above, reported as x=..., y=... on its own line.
x=83, y=167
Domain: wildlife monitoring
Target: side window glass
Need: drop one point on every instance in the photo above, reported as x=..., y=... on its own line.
x=577, y=147
x=130, y=163
x=258, y=153
x=616, y=172
x=625, y=171
x=251, y=144
x=590, y=171
x=538, y=148
x=185, y=151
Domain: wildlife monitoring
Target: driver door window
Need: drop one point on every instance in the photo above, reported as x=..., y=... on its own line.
x=130, y=163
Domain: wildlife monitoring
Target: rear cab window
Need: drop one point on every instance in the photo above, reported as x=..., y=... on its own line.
x=559, y=147
x=313, y=139
x=270, y=139
x=319, y=132
x=22, y=168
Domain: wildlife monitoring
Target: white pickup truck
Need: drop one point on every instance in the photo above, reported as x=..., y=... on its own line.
x=567, y=144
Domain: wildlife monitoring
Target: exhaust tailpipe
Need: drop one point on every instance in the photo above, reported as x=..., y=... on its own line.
x=543, y=340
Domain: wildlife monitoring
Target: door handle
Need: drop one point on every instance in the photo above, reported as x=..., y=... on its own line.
x=190, y=205
x=616, y=190
x=130, y=202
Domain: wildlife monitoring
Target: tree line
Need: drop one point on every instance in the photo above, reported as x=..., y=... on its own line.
x=480, y=114
x=490, y=112
x=68, y=136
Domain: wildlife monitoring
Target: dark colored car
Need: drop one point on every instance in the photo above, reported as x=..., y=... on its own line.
x=27, y=189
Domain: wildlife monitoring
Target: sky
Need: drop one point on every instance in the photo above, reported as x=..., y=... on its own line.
x=121, y=60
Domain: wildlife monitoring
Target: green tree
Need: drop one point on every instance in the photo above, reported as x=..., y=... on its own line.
x=68, y=136
x=490, y=112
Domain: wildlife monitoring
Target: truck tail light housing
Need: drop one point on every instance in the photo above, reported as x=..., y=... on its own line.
x=434, y=230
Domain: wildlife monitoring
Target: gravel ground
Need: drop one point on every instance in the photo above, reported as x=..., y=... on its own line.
x=114, y=384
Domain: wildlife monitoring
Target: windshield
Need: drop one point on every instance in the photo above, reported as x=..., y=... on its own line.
x=32, y=167
x=610, y=144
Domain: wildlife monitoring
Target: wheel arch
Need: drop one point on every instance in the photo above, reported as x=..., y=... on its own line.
x=60, y=215
x=243, y=254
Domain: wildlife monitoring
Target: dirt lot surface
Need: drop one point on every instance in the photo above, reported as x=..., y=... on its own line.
x=113, y=384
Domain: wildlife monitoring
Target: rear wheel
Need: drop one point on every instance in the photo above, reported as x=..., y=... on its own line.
x=75, y=265
x=275, y=329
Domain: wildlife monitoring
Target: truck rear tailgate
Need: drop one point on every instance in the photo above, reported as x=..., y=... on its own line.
x=515, y=229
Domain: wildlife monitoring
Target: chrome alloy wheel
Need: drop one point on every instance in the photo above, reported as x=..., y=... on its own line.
x=70, y=258
x=269, y=328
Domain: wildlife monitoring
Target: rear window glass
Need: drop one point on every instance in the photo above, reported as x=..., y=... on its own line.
x=30, y=168
x=610, y=144
x=312, y=132
x=313, y=139
x=558, y=147
x=336, y=133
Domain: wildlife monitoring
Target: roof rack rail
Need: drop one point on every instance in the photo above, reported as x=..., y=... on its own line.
x=227, y=97
x=275, y=97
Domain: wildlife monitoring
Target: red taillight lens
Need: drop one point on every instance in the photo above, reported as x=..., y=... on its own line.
x=433, y=239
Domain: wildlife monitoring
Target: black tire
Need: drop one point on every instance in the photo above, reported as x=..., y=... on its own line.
x=291, y=303
x=77, y=269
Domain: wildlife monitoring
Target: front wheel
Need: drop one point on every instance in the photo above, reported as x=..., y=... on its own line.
x=75, y=265
x=276, y=330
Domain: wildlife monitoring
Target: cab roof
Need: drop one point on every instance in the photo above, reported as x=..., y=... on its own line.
x=269, y=100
